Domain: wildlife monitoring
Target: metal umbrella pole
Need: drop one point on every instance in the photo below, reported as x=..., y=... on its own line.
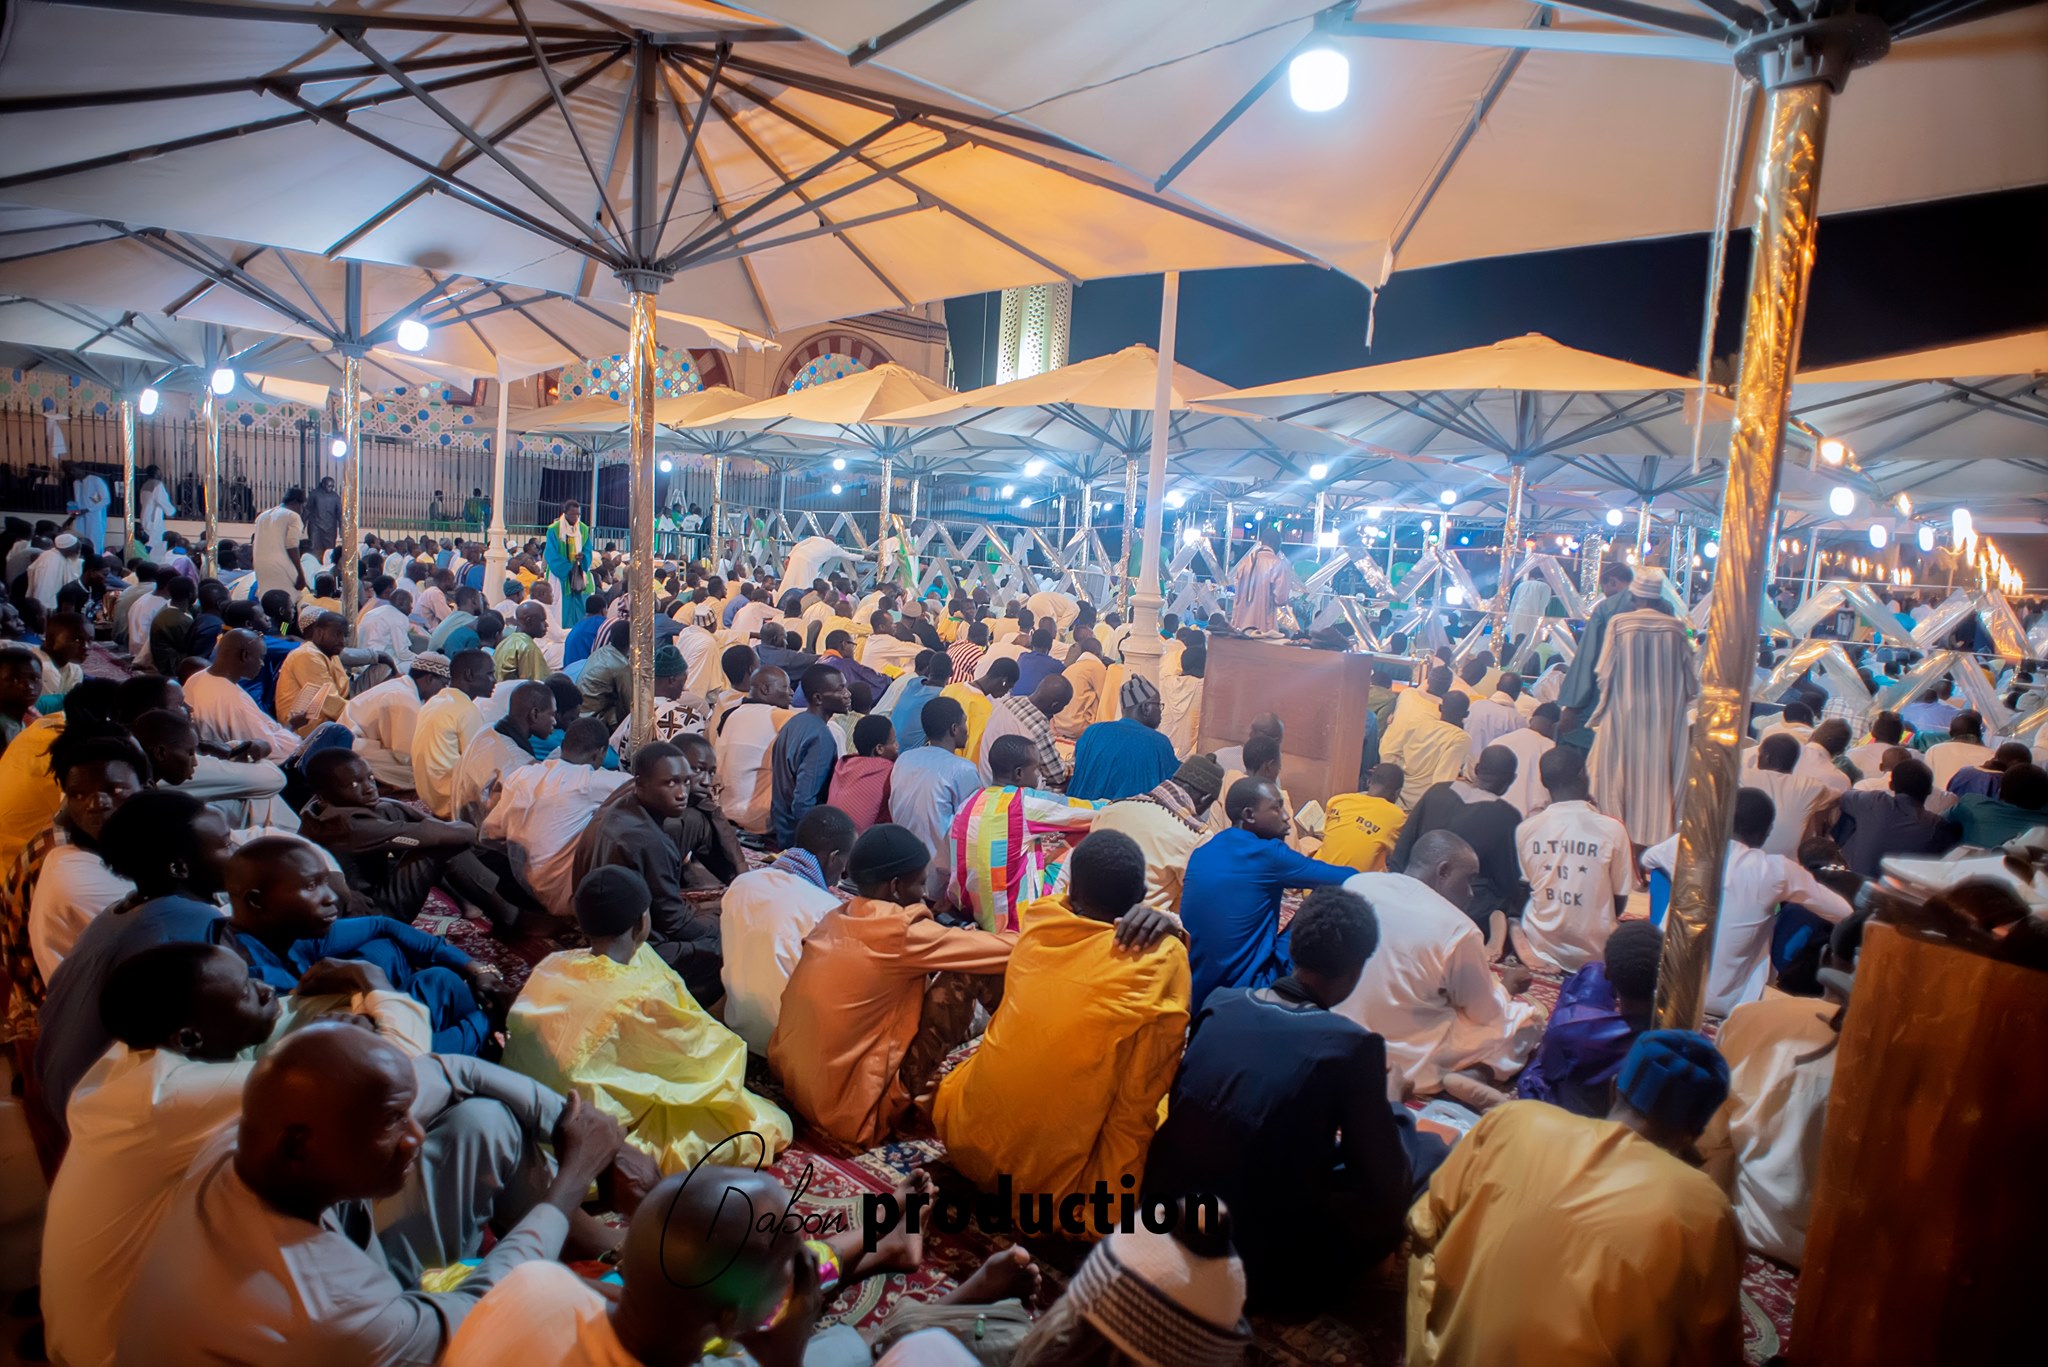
x=640, y=503
x=129, y=437
x=1510, y=540
x=347, y=552
x=1142, y=646
x=209, y=475
x=883, y=571
x=1123, y=569
x=1801, y=69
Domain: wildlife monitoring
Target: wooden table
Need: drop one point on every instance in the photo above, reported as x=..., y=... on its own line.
x=1319, y=694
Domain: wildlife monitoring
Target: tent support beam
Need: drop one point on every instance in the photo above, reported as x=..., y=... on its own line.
x=1142, y=646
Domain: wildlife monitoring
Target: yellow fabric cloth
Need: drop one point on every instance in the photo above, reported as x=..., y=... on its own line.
x=1065, y=1088
x=1360, y=830
x=1550, y=1240
x=29, y=796
x=301, y=669
x=633, y=1041
x=977, y=705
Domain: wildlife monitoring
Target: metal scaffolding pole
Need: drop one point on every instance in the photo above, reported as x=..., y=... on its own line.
x=640, y=508
x=1123, y=569
x=883, y=570
x=1591, y=551
x=129, y=441
x=1798, y=70
x=1510, y=545
x=1643, y=532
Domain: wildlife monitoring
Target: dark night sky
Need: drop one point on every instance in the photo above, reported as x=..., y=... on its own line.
x=1886, y=281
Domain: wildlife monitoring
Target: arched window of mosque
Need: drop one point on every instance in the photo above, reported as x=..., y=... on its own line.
x=829, y=356
x=674, y=373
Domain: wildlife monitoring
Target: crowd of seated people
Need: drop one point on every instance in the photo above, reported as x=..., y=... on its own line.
x=860, y=833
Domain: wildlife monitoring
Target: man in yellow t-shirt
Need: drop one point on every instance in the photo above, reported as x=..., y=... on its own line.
x=1360, y=829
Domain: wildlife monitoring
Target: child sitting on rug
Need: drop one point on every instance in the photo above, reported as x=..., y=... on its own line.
x=285, y=916
x=615, y=1023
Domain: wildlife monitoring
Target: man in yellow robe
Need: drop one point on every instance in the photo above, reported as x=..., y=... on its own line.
x=1064, y=1092
x=616, y=1024
x=1519, y=1239
x=978, y=699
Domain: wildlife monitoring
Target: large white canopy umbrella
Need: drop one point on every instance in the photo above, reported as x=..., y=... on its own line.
x=673, y=147
x=1099, y=418
x=1442, y=131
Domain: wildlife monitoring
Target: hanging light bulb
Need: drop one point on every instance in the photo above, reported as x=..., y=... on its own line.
x=1319, y=471
x=667, y=466
x=1447, y=497
x=1033, y=466
x=1712, y=550
x=1318, y=79
x=839, y=462
x=1841, y=500
x=413, y=334
x=1614, y=517
x=1832, y=451
x=223, y=381
x=1960, y=523
x=1925, y=536
x=838, y=489
x=1879, y=535
x=146, y=402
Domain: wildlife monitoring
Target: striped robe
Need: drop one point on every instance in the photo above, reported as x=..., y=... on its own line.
x=1647, y=678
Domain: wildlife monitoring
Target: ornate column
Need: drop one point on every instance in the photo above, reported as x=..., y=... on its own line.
x=1591, y=550
x=1643, y=532
x=640, y=346
x=129, y=443
x=884, y=571
x=1801, y=70
x=1510, y=545
x=1123, y=568
x=718, y=510
x=494, y=536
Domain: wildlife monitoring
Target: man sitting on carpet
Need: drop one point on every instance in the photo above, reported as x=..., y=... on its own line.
x=498, y=750
x=1593, y=1195
x=1428, y=992
x=1359, y=829
x=1010, y=839
x=1231, y=905
x=706, y=1279
x=1276, y=1071
x=1063, y=1092
x=392, y=855
x=616, y=1025
x=1600, y=1011
x=630, y=831
x=1168, y=823
x=766, y=914
x=543, y=808
x=264, y=1255
x=1126, y=757
x=287, y=919
x=860, y=781
x=882, y=993
x=186, y=1020
x=1474, y=810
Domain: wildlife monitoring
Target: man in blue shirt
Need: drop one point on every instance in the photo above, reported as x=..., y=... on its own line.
x=1932, y=714
x=1118, y=759
x=908, y=714
x=800, y=763
x=1036, y=663
x=931, y=783
x=1231, y=902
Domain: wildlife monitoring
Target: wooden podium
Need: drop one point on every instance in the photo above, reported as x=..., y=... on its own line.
x=1320, y=695
x=1925, y=1244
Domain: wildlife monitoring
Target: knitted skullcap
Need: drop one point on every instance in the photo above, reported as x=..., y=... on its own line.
x=884, y=852
x=1675, y=1077
x=1200, y=775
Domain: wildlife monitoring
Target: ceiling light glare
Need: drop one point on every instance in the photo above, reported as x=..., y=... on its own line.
x=1614, y=517
x=1832, y=451
x=1009, y=491
x=1326, y=539
x=1879, y=535
x=337, y=448
x=1712, y=550
x=1841, y=500
x=413, y=335
x=223, y=381
x=838, y=488
x=1925, y=536
x=668, y=466
x=1319, y=471
x=839, y=462
x=1962, y=525
x=1033, y=467
x=1318, y=80
x=146, y=404
x=1447, y=497
x=1176, y=499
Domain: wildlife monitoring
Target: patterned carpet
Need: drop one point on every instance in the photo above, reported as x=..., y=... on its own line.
x=1370, y=1335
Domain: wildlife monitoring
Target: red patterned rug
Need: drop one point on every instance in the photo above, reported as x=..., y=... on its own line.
x=1368, y=1335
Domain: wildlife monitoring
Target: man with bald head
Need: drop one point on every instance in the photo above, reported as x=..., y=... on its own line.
x=1231, y=757
x=519, y=655
x=269, y=1253
x=744, y=738
x=1428, y=991
x=500, y=749
x=227, y=716
x=312, y=685
x=1030, y=717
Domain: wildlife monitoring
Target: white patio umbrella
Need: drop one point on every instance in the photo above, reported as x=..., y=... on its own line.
x=1526, y=407
x=1429, y=132
x=1099, y=418
x=673, y=147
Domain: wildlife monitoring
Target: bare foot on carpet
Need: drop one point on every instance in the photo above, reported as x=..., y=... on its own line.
x=899, y=1250
x=1468, y=1089
x=1008, y=1272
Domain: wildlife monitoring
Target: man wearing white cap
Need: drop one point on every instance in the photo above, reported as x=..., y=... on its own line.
x=53, y=569
x=1647, y=679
